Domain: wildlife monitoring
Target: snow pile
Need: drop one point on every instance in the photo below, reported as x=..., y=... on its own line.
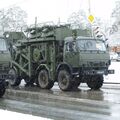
x=8, y=115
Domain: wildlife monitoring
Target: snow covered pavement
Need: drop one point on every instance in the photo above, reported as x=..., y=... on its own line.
x=113, y=78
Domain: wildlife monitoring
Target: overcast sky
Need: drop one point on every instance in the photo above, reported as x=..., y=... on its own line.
x=52, y=10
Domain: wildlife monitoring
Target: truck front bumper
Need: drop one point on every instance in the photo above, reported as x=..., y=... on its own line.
x=93, y=72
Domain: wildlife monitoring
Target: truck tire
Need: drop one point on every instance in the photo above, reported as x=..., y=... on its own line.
x=2, y=90
x=14, y=80
x=95, y=82
x=64, y=80
x=43, y=80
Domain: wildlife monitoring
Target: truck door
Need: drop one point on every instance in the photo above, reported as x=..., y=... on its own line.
x=70, y=53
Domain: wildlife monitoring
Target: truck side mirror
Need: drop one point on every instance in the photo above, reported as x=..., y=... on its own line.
x=107, y=46
x=106, y=39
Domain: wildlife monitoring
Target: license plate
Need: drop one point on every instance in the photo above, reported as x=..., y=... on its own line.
x=111, y=71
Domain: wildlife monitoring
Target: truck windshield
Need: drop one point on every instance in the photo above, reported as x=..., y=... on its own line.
x=2, y=45
x=91, y=45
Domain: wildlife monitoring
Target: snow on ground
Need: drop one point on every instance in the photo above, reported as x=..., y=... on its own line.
x=8, y=115
x=114, y=78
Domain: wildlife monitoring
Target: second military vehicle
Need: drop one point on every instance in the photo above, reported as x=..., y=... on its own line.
x=4, y=64
x=58, y=54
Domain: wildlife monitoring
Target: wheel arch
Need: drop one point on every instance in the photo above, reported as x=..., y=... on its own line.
x=15, y=68
x=62, y=66
x=42, y=66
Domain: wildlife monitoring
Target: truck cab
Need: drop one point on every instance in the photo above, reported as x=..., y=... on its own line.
x=85, y=60
x=86, y=53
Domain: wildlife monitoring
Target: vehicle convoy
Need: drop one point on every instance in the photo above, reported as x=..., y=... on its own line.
x=4, y=65
x=58, y=54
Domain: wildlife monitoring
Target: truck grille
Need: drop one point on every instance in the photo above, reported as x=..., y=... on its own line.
x=97, y=64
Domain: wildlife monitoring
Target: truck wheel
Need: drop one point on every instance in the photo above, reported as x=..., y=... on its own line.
x=43, y=80
x=14, y=80
x=95, y=82
x=2, y=91
x=64, y=80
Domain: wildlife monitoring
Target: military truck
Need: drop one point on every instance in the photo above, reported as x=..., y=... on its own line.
x=58, y=54
x=4, y=64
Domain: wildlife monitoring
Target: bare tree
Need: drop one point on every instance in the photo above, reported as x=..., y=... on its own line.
x=116, y=13
x=12, y=19
x=79, y=20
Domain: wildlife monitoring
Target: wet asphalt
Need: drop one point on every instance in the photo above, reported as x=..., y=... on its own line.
x=80, y=104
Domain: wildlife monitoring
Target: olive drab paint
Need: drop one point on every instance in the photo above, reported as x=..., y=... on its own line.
x=52, y=53
x=4, y=64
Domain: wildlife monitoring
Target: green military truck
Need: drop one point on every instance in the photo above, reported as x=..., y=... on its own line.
x=4, y=65
x=58, y=54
